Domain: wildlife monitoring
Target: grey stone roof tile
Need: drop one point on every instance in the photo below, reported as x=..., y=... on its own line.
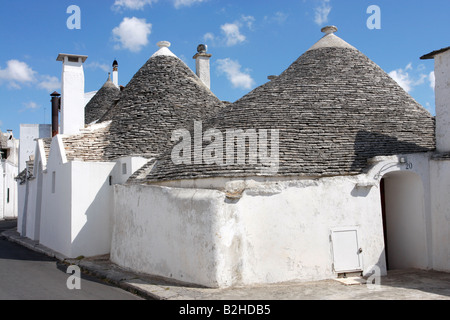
x=102, y=102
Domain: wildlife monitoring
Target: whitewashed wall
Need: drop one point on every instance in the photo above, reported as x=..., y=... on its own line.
x=442, y=89
x=168, y=232
x=440, y=191
x=77, y=207
x=277, y=230
x=75, y=217
x=55, y=224
x=286, y=236
x=28, y=134
x=92, y=207
x=199, y=236
x=30, y=197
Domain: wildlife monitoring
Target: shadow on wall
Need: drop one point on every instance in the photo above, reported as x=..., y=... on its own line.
x=371, y=144
x=360, y=192
x=94, y=237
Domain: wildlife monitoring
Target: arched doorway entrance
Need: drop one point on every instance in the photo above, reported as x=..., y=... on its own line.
x=404, y=225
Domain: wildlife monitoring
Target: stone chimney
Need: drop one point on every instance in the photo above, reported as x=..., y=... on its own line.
x=202, y=65
x=116, y=73
x=442, y=93
x=72, y=94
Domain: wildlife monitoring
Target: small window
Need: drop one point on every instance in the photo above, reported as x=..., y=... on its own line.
x=7, y=195
x=72, y=59
x=110, y=180
x=124, y=168
x=53, y=182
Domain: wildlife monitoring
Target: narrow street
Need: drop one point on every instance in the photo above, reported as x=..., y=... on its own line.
x=27, y=275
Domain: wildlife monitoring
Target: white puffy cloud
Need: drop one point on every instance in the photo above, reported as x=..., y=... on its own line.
x=321, y=12
x=132, y=4
x=49, y=83
x=402, y=78
x=17, y=73
x=408, y=77
x=232, y=34
x=237, y=77
x=432, y=79
x=208, y=37
x=132, y=34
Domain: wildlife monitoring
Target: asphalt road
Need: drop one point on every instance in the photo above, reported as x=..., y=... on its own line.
x=28, y=275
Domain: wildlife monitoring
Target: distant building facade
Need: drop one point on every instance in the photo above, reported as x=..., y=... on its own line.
x=9, y=155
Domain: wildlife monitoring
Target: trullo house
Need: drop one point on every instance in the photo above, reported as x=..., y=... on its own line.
x=329, y=168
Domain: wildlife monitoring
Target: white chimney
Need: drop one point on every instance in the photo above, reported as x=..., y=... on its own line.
x=116, y=73
x=72, y=95
x=202, y=65
x=442, y=92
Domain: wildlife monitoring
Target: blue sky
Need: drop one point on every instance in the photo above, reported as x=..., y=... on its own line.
x=249, y=40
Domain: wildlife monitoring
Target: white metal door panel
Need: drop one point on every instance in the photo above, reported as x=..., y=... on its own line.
x=346, y=250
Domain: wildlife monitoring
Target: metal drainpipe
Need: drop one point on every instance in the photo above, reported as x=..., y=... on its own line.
x=56, y=102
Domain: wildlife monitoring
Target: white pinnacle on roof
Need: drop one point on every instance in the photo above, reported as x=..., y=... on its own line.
x=330, y=40
x=164, y=50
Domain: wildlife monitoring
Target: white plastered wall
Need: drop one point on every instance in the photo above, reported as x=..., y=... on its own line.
x=28, y=223
x=76, y=202
x=28, y=135
x=76, y=205
x=442, y=89
x=440, y=193
x=277, y=230
x=168, y=232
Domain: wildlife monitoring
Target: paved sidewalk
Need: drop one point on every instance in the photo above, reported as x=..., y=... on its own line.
x=398, y=285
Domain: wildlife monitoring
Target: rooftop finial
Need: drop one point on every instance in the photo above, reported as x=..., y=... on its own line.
x=163, y=44
x=329, y=29
x=202, y=48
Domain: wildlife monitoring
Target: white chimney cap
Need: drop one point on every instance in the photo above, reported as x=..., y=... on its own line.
x=61, y=57
x=163, y=44
x=329, y=29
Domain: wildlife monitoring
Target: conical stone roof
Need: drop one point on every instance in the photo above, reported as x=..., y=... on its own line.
x=101, y=102
x=163, y=95
x=334, y=109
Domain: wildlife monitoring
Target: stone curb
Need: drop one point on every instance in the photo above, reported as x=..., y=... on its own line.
x=401, y=285
x=107, y=272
